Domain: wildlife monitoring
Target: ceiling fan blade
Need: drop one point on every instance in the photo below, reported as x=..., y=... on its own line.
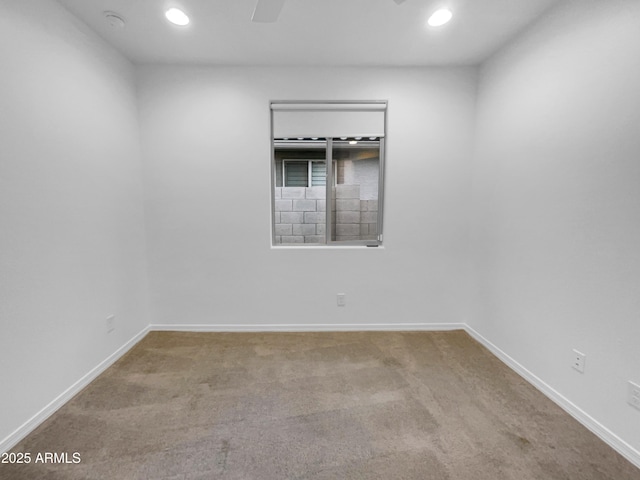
x=267, y=11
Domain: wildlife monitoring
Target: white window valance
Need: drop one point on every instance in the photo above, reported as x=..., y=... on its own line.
x=328, y=119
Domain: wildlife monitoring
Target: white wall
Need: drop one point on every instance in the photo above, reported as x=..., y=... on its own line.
x=72, y=244
x=554, y=206
x=556, y=218
x=205, y=136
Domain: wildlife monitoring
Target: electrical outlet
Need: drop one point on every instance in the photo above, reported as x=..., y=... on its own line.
x=111, y=323
x=342, y=299
x=634, y=395
x=578, y=361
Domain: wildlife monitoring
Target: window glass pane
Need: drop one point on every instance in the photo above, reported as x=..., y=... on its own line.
x=299, y=209
x=354, y=205
x=318, y=174
x=296, y=174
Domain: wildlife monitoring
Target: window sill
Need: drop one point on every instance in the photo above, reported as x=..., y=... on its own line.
x=325, y=247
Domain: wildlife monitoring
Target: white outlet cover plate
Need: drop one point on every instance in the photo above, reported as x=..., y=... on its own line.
x=578, y=361
x=111, y=323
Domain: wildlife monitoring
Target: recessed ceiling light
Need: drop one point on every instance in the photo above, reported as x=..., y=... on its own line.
x=177, y=17
x=440, y=17
x=353, y=142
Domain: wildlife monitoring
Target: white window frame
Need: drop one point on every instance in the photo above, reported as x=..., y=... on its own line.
x=336, y=106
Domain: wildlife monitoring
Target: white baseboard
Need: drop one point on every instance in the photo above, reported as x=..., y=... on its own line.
x=27, y=427
x=606, y=435
x=312, y=327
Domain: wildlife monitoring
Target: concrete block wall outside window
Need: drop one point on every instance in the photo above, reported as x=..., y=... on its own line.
x=354, y=218
x=300, y=215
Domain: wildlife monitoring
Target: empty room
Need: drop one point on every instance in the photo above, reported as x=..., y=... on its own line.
x=320, y=239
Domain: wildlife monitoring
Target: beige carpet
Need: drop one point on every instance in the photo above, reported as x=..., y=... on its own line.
x=375, y=405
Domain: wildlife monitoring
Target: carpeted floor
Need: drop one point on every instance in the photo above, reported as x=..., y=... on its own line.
x=367, y=406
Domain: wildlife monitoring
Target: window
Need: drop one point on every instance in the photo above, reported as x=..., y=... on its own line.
x=304, y=173
x=316, y=141
x=296, y=174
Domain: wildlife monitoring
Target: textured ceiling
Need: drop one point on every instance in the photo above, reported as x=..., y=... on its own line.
x=312, y=32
